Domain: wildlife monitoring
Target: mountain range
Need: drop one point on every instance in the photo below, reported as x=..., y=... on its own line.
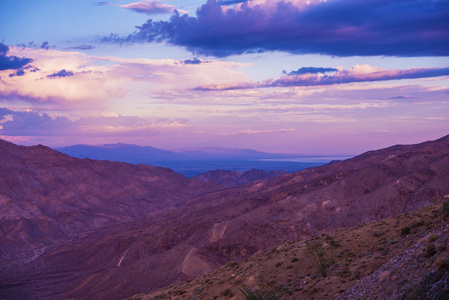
x=83, y=228
x=191, y=162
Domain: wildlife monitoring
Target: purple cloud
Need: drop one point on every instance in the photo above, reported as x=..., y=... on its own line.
x=230, y=2
x=20, y=72
x=11, y=62
x=193, y=61
x=341, y=28
x=62, y=73
x=81, y=47
x=33, y=123
x=310, y=70
x=149, y=8
x=359, y=73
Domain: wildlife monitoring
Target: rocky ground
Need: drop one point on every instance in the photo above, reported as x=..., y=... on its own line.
x=406, y=257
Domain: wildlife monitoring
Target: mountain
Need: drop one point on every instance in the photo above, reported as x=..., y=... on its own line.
x=214, y=153
x=210, y=226
x=47, y=197
x=405, y=257
x=121, y=152
x=227, y=178
x=191, y=162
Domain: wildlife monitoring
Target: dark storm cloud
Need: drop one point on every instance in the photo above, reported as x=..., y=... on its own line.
x=11, y=62
x=341, y=28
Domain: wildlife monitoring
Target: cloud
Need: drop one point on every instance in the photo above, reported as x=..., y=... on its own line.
x=77, y=81
x=81, y=47
x=358, y=73
x=193, y=61
x=11, y=62
x=149, y=8
x=33, y=123
x=340, y=28
x=50, y=78
x=62, y=73
x=18, y=73
x=310, y=70
x=231, y=2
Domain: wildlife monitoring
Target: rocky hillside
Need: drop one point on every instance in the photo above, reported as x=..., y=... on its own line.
x=229, y=179
x=198, y=229
x=47, y=197
x=406, y=257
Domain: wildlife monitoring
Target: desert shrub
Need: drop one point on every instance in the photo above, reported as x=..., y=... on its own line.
x=231, y=264
x=446, y=208
x=430, y=250
x=259, y=295
x=432, y=238
x=442, y=263
x=405, y=230
x=228, y=293
x=317, y=253
x=379, y=232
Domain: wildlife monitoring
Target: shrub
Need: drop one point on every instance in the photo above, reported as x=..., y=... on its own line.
x=259, y=295
x=228, y=293
x=316, y=250
x=446, y=208
x=405, y=230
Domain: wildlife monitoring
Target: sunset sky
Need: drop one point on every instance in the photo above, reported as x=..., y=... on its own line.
x=309, y=77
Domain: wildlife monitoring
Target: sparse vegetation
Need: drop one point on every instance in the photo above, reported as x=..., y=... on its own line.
x=296, y=270
x=317, y=253
x=405, y=230
x=258, y=295
x=228, y=293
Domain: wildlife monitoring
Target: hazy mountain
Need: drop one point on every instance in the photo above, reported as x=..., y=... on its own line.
x=203, y=227
x=121, y=152
x=191, y=162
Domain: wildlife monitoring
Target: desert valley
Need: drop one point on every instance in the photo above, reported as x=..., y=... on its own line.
x=91, y=229
x=224, y=149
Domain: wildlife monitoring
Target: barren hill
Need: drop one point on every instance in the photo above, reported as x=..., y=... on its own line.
x=203, y=229
x=406, y=257
x=228, y=178
x=47, y=197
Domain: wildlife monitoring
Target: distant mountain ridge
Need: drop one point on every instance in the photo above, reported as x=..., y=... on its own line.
x=189, y=161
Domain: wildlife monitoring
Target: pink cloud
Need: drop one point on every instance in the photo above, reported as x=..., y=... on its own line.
x=359, y=73
x=77, y=81
x=149, y=8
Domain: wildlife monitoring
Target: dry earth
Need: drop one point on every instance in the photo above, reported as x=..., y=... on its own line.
x=406, y=257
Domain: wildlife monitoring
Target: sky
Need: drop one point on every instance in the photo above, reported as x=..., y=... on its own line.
x=335, y=77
